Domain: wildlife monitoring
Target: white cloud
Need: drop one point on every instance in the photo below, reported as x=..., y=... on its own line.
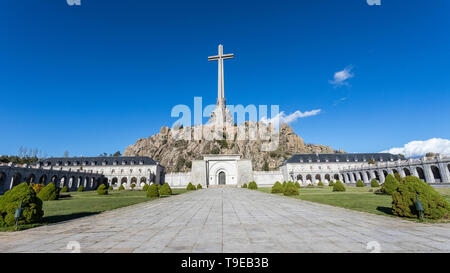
x=340, y=77
x=420, y=148
x=283, y=118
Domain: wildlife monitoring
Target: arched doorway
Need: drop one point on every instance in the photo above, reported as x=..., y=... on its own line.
x=336, y=177
x=222, y=178
x=114, y=181
x=2, y=180
x=43, y=179
x=299, y=177
x=308, y=178
x=123, y=181
x=420, y=173
x=317, y=177
x=31, y=179
x=436, y=174
x=407, y=172
x=143, y=181
x=16, y=179
x=134, y=181
x=327, y=178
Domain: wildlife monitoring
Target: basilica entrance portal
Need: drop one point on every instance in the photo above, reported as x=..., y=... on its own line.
x=222, y=178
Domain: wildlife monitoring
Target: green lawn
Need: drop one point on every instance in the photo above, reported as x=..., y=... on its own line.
x=79, y=204
x=353, y=198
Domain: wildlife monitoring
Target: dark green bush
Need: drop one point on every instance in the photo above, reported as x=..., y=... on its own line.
x=297, y=185
x=390, y=185
x=360, y=184
x=291, y=189
x=110, y=188
x=65, y=189
x=398, y=177
x=132, y=186
x=310, y=185
x=331, y=184
x=102, y=190
x=252, y=185
x=320, y=184
x=80, y=189
x=199, y=187
x=145, y=187
x=374, y=183
x=165, y=190
x=404, y=198
x=121, y=188
x=277, y=188
x=338, y=186
x=49, y=192
x=10, y=201
x=244, y=186
x=152, y=191
x=190, y=187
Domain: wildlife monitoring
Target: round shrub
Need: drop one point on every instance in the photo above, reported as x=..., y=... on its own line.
x=331, y=184
x=374, y=183
x=199, y=187
x=290, y=190
x=338, y=186
x=132, y=186
x=152, y=191
x=10, y=201
x=277, y=188
x=145, y=187
x=121, y=188
x=244, y=186
x=320, y=184
x=49, y=192
x=360, y=184
x=80, y=189
x=110, y=188
x=190, y=187
x=297, y=185
x=398, y=177
x=404, y=197
x=390, y=185
x=252, y=185
x=165, y=190
x=310, y=185
x=102, y=190
x=65, y=189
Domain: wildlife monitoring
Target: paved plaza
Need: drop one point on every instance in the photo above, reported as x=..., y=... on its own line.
x=231, y=220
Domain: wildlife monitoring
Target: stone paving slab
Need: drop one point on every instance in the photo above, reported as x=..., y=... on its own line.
x=231, y=220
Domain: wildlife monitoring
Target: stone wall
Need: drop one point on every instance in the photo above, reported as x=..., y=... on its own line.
x=178, y=180
x=267, y=179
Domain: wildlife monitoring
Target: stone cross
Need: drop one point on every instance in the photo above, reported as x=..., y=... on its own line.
x=220, y=86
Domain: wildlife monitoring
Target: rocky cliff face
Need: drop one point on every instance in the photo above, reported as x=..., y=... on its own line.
x=176, y=148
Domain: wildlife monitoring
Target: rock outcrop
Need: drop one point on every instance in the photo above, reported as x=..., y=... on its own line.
x=264, y=145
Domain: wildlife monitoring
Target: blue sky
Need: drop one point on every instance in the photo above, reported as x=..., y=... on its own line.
x=95, y=78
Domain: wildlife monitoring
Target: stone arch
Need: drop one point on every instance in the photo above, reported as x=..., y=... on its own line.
x=114, y=181
x=436, y=173
x=222, y=178
x=308, y=178
x=79, y=181
x=16, y=180
x=361, y=176
x=105, y=181
x=43, y=179
x=133, y=181
x=328, y=177
x=394, y=171
x=299, y=177
x=317, y=178
x=369, y=176
x=448, y=167
x=30, y=179
x=421, y=173
x=407, y=171
x=336, y=177
x=71, y=182
x=385, y=173
x=354, y=177
x=124, y=180
x=143, y=181
x=377, y=175
x=2, y=180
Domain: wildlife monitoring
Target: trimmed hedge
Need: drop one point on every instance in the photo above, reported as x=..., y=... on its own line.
x=64, y=189
x=338, y=186
x=121, y=188
x=390, y=185
x=277, y=188
x=290, y=189
x=404, y=198
x=132, y=186
x=244, y=186
x=102, y=190
x=398, y=177
x=320, y=184
x=37, y=187
x=49, y=192
x=165, y=190
x=252, y=185
x=199, y=187
x=331, y=184
x=374, y=183
x=152, y=191
x=360, y=184
x=80, y=189
x=190, y=187
x=10, y=201
x=145, y=187
x=297, y=185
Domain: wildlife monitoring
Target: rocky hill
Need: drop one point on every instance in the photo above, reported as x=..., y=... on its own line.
x=176, y=148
